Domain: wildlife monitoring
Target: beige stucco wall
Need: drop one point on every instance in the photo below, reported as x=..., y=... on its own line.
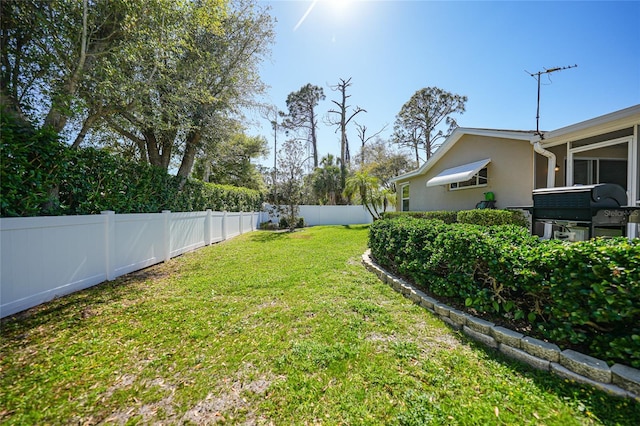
x=510, y=176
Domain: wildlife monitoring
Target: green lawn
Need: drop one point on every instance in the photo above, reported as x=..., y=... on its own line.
x=269, y=328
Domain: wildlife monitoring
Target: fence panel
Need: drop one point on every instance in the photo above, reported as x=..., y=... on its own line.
x=233, y=224
x=187, y=232
x=327, y=215
x=46, y=257
x=139, y=239
x=335, y=215
x=216, y=229
x=247, y=222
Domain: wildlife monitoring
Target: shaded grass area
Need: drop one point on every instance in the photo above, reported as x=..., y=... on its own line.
x=269, y=328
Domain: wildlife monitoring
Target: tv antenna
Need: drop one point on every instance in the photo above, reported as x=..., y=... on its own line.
x=537, y=75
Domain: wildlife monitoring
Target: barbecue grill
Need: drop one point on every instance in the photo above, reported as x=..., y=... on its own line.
x=584, y=208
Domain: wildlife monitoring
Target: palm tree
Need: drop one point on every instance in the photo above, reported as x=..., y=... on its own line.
x=367, y=187
x=326, y=181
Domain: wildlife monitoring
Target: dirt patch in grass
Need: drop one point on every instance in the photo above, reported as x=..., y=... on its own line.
x=224, y=405
x=153, y=274
x=230, y=400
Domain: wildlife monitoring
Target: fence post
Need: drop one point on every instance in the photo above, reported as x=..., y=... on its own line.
x=253, y=221
x=224, y=225
x=207, y=228
x=109, y=243
x=166, y=221
x=241, y=224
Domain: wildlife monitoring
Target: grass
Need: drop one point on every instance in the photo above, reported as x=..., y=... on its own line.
x=269, y=328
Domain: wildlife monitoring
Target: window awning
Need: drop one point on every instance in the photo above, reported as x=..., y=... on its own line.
x=458, y=174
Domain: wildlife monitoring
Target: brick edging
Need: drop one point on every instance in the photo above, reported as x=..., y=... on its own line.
x=619, y=380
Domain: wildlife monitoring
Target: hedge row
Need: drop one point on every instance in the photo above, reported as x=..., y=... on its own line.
x=485, y=217
x=584, y=294
x=41, y=176
x=445, y=216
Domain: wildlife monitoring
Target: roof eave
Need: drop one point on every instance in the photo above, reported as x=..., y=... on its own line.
x=604, y=123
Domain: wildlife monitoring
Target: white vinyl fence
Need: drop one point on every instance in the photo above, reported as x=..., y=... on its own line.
x=330, y=215
x=46, y=257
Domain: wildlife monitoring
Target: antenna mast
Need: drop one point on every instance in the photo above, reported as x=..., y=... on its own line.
x=537, y=75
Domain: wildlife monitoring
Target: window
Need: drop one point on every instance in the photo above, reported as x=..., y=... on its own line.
x=405, y=197
x=608, y=161
x=479, y=179
x=589, y=171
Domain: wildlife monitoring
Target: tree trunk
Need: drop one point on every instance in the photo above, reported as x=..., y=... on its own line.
x=168, y=139
x=152, y=148
x=193, y=140
x=314, y=142
x=206, y=174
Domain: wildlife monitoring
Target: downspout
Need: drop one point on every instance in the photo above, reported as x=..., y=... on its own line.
x=551, y=175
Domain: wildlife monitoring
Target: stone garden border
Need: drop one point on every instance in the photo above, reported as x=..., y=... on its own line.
x=619, y=380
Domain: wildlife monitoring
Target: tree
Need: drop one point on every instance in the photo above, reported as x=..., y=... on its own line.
x=374, y=198
x=301, y=117
x=139, y=77
x=417, y=124
x=230, y=162
x=157, y=73
x=362, y=135
x=291, y=159
x=49, y=48
x=326, y=181
x=215, y=72
x=341, y=122
x=273, y=114
x=379, y=159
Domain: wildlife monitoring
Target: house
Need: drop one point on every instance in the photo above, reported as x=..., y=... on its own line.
x=511, y=164
x=601, y=150
x=470, y=163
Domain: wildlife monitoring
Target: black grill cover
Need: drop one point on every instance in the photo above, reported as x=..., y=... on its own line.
x=578, y=203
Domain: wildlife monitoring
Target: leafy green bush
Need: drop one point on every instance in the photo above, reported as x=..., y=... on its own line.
x=284, y=222
x=585, y=294
x=29, y=170
x=42, y=176
x=268, y=226
x=445, y=216
x=594, y=297
x=485, y=217
x=490, y=217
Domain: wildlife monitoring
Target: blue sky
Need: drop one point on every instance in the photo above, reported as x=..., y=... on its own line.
x=481, y=49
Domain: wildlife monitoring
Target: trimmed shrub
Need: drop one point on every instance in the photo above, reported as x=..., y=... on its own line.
x=284, y=222
x=593, y=297
x=30, y=169
x=42, y=176
x=491, y=217
x=485, y=217
x=445, y=216
x=584, y=294
x=268, y=226
x=300, y=222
